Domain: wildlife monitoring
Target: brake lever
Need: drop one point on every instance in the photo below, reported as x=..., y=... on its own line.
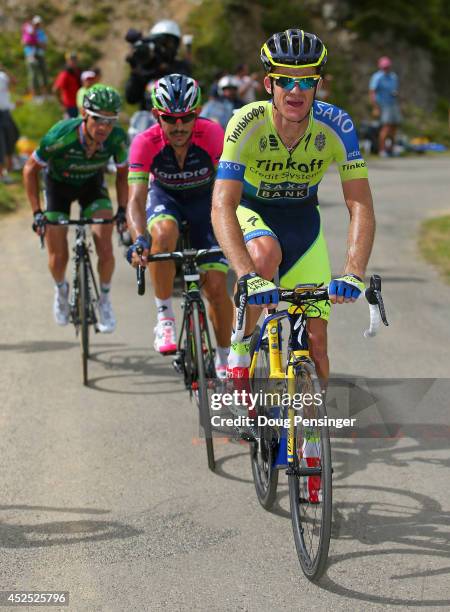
x=140, y=274
x=374, y=297
x=239, y=332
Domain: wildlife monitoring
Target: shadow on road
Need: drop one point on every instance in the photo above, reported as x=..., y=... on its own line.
x=59, y=533
x=42, y=346
x=380, y=556
x=36, y=346
x=413, y=523
x=123, y=362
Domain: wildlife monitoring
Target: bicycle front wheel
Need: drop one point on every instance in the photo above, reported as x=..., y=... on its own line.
x=263, y=450
x=310, y=482
x=83, y=314
x=202, y=390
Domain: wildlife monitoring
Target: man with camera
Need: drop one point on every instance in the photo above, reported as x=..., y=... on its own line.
x=153, y=57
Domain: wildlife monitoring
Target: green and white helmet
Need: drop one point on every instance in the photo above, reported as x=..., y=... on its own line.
x=100, y=98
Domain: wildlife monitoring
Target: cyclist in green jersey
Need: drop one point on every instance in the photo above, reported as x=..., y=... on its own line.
x=74, y=154
x=265, y=210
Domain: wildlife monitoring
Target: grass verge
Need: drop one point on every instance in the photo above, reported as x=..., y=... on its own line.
x=12, y=196
x=434, y=244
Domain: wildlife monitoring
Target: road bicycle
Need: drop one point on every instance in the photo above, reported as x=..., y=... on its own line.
x=195, y=354
x=292, y=432
x=84, y=296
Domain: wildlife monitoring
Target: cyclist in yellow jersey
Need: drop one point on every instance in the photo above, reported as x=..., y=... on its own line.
x=265, y=209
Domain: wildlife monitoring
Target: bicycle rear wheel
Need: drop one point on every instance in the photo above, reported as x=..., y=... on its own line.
x=202, y=390
x=263, y=451
x=83, y=314
x=310, y=495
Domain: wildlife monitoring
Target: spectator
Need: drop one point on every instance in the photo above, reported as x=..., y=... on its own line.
x=98, y=74
x=9, y=133
x=249, y=84
x=34, y=42
x=221, y=108
x=67, y=84
x=383, y=94
x=88, y=78
x=213, y=91
x=153, y=57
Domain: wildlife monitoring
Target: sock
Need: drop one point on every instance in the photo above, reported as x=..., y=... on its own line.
x=104, y=291
x=222, y=353
x=62, y=285
x=239, y=356
x=164, y=308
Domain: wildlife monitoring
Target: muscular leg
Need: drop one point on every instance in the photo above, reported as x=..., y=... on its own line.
x=58, y=251
x=266, y=255
x=317, y=334
x=220, y=309
x=164, y=238
x=392, y=134
x=103, y=245
x=384, y=133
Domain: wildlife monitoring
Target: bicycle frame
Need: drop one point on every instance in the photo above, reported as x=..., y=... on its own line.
x=81, y=251
x=191, y=294
x=298, y=351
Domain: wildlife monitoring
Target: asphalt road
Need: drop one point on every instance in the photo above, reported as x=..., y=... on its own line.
x=105, y=490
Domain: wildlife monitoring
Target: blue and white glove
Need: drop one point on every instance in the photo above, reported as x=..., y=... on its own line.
x=349, y=287
x=257, y=290
x=140, y=243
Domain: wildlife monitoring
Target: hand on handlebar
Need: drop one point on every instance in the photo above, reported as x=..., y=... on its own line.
x=345, y=289
x=39, y=221
x=138, y=251
x=257, y=291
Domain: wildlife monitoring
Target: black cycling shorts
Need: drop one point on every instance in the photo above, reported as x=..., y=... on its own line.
x=91, y=195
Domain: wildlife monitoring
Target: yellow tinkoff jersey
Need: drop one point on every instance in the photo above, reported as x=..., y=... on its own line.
x=254, y=154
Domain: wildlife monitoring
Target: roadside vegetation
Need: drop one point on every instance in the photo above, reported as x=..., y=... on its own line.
x=434, y=244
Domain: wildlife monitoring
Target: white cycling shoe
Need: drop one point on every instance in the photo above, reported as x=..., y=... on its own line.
x=165, y=337
x=107, y=320
x=61, y=305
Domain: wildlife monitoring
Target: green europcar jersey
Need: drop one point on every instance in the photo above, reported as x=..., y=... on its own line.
x=280, y=187
x=63, y=153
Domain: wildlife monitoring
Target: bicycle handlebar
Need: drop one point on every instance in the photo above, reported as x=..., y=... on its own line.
x=311, y=293
x=66, y=222
x=196, y=254
x=82, y=221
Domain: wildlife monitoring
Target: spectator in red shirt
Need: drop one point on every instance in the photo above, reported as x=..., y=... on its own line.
x=67, y=84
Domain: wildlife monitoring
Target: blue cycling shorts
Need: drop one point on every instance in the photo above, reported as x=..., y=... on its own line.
x=196, y=210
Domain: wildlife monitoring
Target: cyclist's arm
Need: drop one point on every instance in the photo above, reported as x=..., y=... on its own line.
x=122, y=185
x=226, y=198
x=361, y=232
x=31, y=181
x=136, y=209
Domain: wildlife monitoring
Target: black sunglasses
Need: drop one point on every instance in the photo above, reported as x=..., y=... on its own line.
x=172, y=119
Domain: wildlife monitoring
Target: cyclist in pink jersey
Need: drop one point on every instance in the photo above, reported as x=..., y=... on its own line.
x=172, y=169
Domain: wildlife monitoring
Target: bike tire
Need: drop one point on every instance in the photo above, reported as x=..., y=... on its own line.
x=263, y=453
x=312, y=533
x=83, y=313
x=203, y=401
